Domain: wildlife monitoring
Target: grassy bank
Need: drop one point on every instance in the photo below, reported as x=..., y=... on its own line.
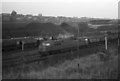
x=93, y=66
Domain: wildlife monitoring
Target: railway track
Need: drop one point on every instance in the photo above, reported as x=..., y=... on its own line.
x=20, y=58
x=27, y=57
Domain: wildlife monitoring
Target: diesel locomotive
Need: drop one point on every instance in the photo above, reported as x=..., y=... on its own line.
x=62, y=45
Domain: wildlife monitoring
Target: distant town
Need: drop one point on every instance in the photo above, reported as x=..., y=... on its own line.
x=15, y=17
x=32, y=25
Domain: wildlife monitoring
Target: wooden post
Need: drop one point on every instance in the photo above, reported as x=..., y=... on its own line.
x=78, y=67
x=118, y=42
x=22, y=45
x=22, y=59
x=106, y=42
x=78, y=38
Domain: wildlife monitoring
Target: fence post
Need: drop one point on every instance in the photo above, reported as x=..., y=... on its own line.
x=106, y=43
x=22, y=45
x=22, y=59
x=118, y=42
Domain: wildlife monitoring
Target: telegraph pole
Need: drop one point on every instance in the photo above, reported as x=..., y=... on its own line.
x=22, y=59
x=78, y=38
x=118, y=41
x=106, y=42
x=23, y=45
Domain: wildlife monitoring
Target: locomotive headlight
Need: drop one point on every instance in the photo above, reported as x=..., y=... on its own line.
x=46, y=44
x=86, y=39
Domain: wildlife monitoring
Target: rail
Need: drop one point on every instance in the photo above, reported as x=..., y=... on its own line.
x=33, y=56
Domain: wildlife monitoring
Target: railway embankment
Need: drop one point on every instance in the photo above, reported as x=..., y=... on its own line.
x=89, y=63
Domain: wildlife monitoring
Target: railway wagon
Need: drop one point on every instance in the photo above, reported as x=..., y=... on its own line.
x=15, y=44
x=58, y=46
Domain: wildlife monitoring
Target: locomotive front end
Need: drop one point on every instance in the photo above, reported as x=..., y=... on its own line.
x=43, y=47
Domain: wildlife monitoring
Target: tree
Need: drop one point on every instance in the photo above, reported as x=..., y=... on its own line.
x=13, y=15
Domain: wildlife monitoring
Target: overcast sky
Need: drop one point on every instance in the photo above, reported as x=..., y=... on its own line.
x=76, y=8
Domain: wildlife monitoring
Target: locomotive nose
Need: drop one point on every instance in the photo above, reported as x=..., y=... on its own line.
x=46, y=44
x=86, y=39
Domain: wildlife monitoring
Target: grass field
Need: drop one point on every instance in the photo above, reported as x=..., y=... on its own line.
x=88, y=66
x=0, y=59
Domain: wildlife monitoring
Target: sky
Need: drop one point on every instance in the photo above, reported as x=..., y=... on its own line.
x=69, y=8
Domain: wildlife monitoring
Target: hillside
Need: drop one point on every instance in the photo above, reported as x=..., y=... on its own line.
x=16, y=29
x=35, y=29
x=100, y=21
x=31, y=29
x=73, y=24
x=108, y=27
x=12, y=25
x=43, y=29
x=84, y=29
x=88, y=63
x=73, y=28
x=68, y=28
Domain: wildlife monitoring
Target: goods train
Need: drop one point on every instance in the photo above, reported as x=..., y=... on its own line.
x=58, y=45
x=16, y=44
x=43, y=45
x=61, y=45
